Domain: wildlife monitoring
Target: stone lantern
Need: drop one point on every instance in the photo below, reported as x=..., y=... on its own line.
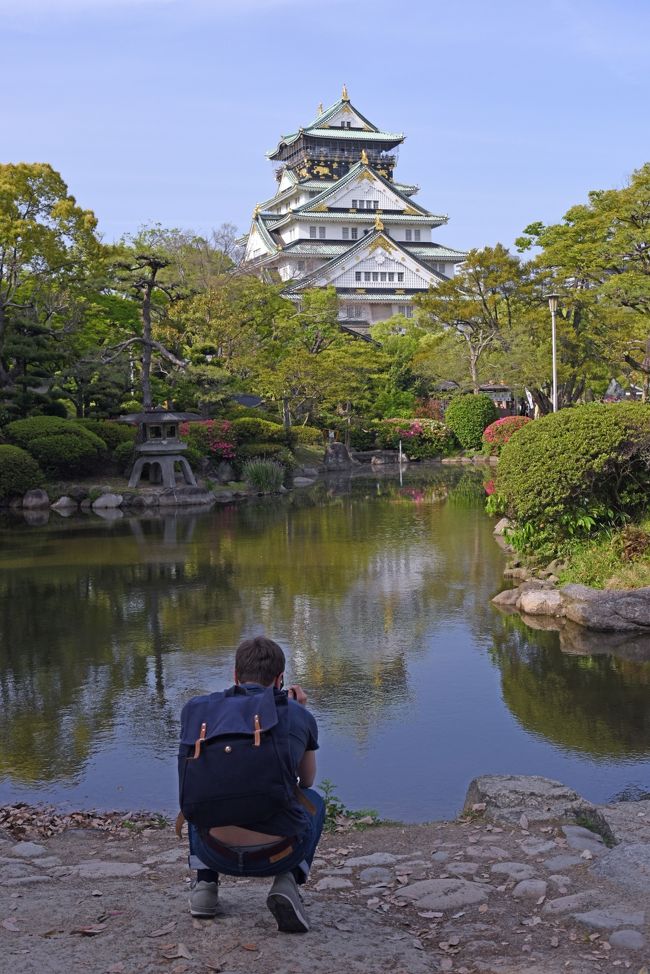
x=159, y=448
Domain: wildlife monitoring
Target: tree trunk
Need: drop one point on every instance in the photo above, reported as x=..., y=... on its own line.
x=286, y=414
x=147, y=403
x=473, y=369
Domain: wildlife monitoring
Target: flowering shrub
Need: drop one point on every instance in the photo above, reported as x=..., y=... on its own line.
x=431, y=408
x=497, y=434
x=210, y=438
x=421, y=438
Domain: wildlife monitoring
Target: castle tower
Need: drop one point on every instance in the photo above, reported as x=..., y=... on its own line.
x=339, y=219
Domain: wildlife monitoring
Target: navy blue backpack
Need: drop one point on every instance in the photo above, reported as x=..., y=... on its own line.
x=234, y=760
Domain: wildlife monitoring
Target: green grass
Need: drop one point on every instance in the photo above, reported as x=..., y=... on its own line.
x=602, y=561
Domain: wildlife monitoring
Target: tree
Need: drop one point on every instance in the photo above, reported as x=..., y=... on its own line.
x=48, y=248
x=476, y=306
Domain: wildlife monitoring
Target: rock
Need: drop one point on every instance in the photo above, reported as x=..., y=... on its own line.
x=333, y=882
x=65, y=504
x=509, y=596
x=303, y=481
x=522, y=573
x=581, y=839
x=96, y=869
x=529, y=889
x=36, y=500
x=487, y=852
x=462, y=868
x=606, y=610
x=572, y=903
x=610, y=918
x=27, y=850
x=443, y=894
x=77, y=493
x=374, y=859
x=440, y=856
x=628, y=865
x=225, y=472
x=627, y=939
x=507, y=797
x=513, y=870
x=185, y=497
x=107, y=501
x=556, y=863
x=336, y=455
x=376, y=874
x=502, y=526
x=544, y=602
x=537, y=847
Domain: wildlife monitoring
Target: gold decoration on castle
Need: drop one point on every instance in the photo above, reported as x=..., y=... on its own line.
x=378, y=223
x=411, y=211
x=381, y=243
x=321, y=208
x=344, y=94
x=364, y=157
x=365, y=174
x=320, y=108
x=321, y=170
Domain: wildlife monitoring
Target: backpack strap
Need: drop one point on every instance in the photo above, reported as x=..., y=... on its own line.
x=178, y=828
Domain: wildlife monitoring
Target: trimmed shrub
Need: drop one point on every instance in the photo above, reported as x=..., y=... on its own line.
x=422, y=439
x=249, y=430
x=23, y=431
x=67, y=455
x=267, y=451
x=572, y=471
x=130, y=406
x=467, y=416
x=213, y=438
x=362, y=439
x=19, y=472
x=307, y=435
x=263, y=475
x=112, y=433
x=497, y=434
x=124, y=455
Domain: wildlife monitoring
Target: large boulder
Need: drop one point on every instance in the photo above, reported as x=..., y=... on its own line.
x=502, y=526
x=627, y=865
x=540, y=602
x=606, y=610
x=337, y=455
x=36, y=500
x=107, y=500
x=506, y=798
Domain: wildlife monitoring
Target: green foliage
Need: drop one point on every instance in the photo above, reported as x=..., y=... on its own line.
x=113, y=434
x=124, y=455
x=362, y=438
x=19, y=472
x=67, y=455
x=130, y=406
x=308, y=435
x=251, y=430
x=421, y=439
x=338, y=814
x=497, y=434
x=570, y=472
x=212, y=438
x=268, y=451
x=23, y=431
x=468, y=416
x=263, y=475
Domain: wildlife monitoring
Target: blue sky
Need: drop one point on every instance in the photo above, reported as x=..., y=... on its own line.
x=162, y=110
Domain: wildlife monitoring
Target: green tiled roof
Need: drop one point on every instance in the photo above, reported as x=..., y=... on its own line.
x=438, y=253
x=361, y=216
x=333, y=109
x=359, y=135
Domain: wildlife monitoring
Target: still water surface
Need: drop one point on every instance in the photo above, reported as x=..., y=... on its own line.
x=380, y=594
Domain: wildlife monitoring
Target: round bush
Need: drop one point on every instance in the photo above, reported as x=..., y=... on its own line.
x=309, y=435
x=65, y=455
x=112, y=433
x=590, y=460
x=497, y=434
x=249, y=430
x=23, y=431
x=213, y=438
x=19, y=472
x=267, y=451
x=467, y=416
x=124, y=455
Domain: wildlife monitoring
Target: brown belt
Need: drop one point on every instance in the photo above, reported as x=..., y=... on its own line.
x=275, y=852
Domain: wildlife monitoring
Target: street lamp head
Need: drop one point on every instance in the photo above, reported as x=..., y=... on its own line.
x=553, y=301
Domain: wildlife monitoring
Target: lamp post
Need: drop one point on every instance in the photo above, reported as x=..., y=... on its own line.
x=553, y=300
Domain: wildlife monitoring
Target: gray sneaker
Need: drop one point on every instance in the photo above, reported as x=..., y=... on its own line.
x=204, y=899
x=286, y=906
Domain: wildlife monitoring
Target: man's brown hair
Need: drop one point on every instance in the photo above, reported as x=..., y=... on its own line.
x=259, y=660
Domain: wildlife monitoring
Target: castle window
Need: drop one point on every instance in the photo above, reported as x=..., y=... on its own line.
x=391, y=276
x=366, y=275
x=375, y=204
x=354, y=233
x=350, y=311
x=382, y=276
x=375, y=276
x=409, y=235
x=312, y=233
x=357, y=275
x=400, y=277
x=416, y=234
x=354, y=204
x=408, y=311
x=345, y=233
x=321, y=233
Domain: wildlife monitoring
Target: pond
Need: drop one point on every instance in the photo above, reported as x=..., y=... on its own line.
x=379, y=591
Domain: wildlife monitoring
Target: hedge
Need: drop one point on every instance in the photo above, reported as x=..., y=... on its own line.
x=249, y=430
x=497, y=434
x=68, y=455
x=112, y=433
x=23, y=431
x=267, y=451
x=467, y=416
x=308, y=435
x=19, y=472
x=422, y=439
x=591, y=460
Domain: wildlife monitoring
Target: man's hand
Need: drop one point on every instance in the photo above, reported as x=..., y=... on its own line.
x=297, y=693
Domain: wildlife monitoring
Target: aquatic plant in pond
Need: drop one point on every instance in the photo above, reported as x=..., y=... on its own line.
x=264, y=475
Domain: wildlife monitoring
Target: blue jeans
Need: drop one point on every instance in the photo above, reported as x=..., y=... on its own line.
x=206, y=859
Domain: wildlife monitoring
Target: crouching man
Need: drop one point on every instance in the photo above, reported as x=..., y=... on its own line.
x=246, y=765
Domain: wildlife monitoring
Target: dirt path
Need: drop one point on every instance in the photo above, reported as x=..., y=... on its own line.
x=468, y=897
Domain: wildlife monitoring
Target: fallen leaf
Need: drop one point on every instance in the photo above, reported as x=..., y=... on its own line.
x=457, y=916
x=11, y=924
x=174, y=951
x=523, y=821
x=586, y=854
x=483, y=908
x=162, y=931
x=92, y=930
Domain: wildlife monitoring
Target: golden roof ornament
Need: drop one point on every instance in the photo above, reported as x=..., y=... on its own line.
x=257, y=210
x=319, y=110
x=344, y=94
x=378, y=224
x=364, y=157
